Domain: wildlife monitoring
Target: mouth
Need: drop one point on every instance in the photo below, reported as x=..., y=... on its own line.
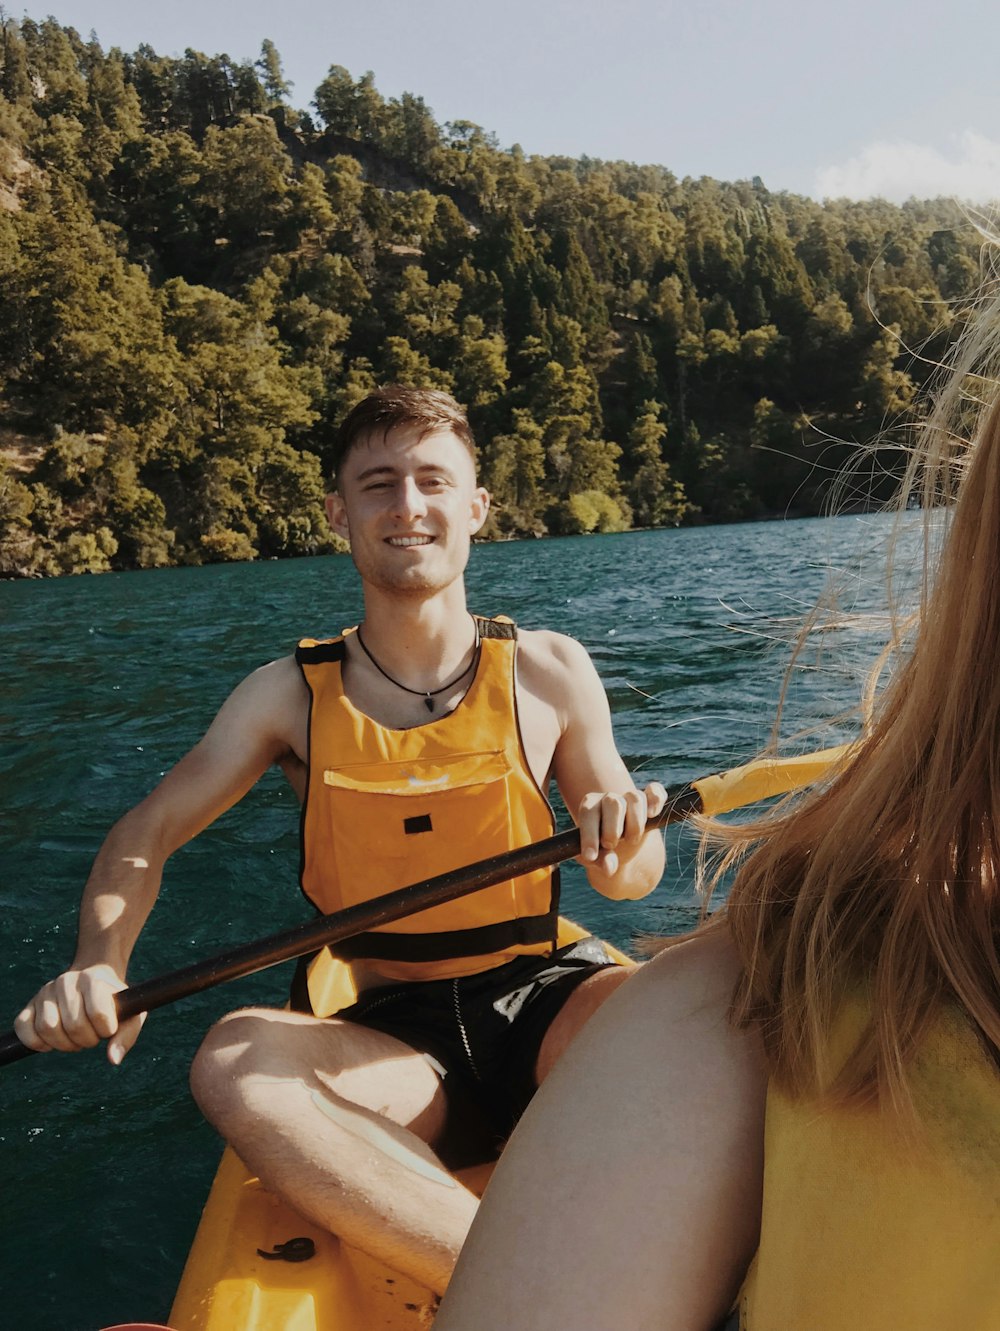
x=404, y=542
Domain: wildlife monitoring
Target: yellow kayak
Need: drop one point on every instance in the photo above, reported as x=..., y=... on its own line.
x=257, y=1265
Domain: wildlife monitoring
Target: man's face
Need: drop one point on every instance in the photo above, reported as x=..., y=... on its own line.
x=409, y=507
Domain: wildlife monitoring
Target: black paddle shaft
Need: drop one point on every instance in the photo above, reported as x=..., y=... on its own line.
x=328, y=930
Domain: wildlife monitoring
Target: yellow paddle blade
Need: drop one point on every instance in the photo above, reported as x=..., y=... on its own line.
x=766, y=777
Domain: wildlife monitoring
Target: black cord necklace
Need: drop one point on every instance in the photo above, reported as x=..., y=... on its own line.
x=428, y=695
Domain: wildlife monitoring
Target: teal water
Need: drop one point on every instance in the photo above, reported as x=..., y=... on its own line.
x=105, y=682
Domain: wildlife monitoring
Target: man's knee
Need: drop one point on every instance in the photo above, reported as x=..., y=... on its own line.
x=231, y=1050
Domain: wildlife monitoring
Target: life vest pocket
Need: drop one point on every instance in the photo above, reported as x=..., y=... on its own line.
x=455, y=771
x=394, y=823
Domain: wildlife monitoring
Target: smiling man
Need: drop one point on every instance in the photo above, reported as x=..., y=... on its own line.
x=421, y=740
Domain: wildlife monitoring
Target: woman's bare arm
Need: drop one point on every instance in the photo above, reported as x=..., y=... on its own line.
x=629, y=1194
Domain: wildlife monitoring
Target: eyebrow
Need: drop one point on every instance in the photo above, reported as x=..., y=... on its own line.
x=386, y=470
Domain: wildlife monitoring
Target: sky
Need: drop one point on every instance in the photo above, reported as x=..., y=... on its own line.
x=896, y=98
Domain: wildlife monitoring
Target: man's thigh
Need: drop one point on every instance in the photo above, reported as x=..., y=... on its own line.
x=364, y=1067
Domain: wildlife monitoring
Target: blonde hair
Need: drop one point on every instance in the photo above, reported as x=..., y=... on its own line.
x=887, y=878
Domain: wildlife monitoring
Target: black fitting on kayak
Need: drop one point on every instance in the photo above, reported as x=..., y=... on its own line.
x=294, y=1250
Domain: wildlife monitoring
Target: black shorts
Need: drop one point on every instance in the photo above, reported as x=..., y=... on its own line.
x=483, y=1033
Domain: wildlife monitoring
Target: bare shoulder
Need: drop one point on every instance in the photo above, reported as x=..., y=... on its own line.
x=703, y=969
x=279, y=682
x=546, y=648
x=271, y=702
x=283, y=675
x=549, y=662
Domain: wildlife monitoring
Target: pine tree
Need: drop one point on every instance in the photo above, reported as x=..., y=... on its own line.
x=657, y=500
x=276, y=86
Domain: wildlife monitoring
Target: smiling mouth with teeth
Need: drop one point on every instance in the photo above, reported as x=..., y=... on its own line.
x=409, y=540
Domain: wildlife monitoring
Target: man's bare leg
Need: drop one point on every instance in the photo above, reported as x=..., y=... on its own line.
x=336, y=1119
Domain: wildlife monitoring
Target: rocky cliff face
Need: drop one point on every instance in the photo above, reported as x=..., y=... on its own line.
x=15, y=171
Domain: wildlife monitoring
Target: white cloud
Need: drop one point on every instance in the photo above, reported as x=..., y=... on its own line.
x=968, y=168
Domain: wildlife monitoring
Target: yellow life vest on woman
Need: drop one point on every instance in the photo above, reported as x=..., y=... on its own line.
x=870, y=1224
x=385, y=808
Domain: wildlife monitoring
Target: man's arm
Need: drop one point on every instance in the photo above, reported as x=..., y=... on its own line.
x=260, y=723
x=621, y=860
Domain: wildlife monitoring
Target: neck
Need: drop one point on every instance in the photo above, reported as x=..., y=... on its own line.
x=421, y=643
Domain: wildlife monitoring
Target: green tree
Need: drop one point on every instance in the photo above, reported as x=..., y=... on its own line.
x=276, y=86
x=83, y=328
x=480, y=365
x=656, y=499
x=352, y=110
x=424, y=314
x=447, y=242
x=244, y=190
x=288, y=505
x=590, y=511
x=236, y=396
x=86, y=551
x=17, y=539
x=359, y=380
x=410, y=132
x=133, y=512
x=514, y=473
x=15, y=82
x=784, y=476
x=158, y=180
x=403, y=364
x=345, y=188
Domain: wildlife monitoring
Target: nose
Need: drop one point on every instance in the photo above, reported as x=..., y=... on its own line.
x=410, y=499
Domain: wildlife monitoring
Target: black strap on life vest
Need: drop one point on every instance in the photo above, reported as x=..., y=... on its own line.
x=496, y=628
x=381, y=945
x=320, y=652
x=434, y=947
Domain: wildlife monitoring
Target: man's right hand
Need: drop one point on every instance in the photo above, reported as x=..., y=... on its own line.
x=76, y=1011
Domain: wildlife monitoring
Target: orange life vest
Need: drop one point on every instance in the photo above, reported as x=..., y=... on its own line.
x=385, y=808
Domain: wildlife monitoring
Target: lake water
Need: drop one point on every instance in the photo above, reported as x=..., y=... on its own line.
x=105, y=682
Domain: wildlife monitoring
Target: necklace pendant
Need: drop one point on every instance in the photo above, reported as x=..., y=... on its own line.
x=429, y=703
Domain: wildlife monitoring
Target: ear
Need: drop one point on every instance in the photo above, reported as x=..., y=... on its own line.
x=479, y=510
x=336, y=515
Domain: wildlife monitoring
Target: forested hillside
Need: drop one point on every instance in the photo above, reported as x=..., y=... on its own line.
x=197, y=282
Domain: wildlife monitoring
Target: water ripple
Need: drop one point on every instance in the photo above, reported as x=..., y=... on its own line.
x=106, y=681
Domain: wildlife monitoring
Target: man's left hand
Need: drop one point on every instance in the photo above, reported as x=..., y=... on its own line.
x=612, y=824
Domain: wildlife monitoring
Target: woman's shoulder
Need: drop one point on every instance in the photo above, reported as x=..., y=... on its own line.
x=702, y=966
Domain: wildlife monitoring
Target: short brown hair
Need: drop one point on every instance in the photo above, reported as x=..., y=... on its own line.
x=393, y=405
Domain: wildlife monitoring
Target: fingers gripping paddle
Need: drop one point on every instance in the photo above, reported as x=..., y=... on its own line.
x=710, y=795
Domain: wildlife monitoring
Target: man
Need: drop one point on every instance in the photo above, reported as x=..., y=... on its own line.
x=423, y=740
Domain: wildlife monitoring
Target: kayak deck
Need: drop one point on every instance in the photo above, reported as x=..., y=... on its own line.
x=227, y=1285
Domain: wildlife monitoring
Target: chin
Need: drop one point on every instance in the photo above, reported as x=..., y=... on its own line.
x=410, y=582
x=421, y=577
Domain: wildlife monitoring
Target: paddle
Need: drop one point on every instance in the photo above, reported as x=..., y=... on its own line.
x=710, y=795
